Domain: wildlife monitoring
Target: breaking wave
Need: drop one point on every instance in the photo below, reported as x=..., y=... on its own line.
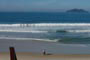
x=31, y=39
x=46, y=27
x=77, y=40
x=62, y=40
x=47, y=24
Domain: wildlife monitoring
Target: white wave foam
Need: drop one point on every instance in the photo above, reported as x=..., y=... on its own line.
x=47, y=24
x=23, y=31
x=10, y=25
x=45, y=27
x=32, y=39
x=61, y=24
x=71, y=31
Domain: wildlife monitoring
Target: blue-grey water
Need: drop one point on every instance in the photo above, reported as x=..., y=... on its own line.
x=43, y=17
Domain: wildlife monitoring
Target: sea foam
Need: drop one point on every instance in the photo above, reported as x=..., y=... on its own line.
x=45, y=27
x=31, y=39
x=46, y=24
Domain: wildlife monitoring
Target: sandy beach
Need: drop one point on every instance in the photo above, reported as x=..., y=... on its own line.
x=32, y=50
x=37, y=56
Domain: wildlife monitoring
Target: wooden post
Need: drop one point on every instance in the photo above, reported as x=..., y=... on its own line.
x=12, y=54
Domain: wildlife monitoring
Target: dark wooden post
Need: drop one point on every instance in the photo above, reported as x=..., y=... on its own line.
x=12, y=54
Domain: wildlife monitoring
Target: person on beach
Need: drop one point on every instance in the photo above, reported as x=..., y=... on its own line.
x=44, y=52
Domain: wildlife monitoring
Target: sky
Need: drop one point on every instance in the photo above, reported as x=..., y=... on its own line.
x=43, y=5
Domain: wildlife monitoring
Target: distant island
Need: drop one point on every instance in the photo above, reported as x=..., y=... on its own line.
x=77, y=11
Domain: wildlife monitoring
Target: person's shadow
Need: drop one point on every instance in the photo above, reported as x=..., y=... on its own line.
x=49, y=54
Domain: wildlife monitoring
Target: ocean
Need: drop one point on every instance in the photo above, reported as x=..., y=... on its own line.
x=67, y=28
x=43, y=17
x=60, y=33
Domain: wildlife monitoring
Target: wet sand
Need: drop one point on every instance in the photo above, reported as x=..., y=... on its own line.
x=37, y=56
x=37, y=47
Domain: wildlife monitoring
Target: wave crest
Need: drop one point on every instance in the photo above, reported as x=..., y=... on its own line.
x=47, y=24
x=31, y=39
x=46, y=27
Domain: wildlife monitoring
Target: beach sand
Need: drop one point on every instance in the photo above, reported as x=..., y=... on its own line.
x=37, y=56
x=59, y=51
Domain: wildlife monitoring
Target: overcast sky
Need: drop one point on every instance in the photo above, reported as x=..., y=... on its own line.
x=43, y=5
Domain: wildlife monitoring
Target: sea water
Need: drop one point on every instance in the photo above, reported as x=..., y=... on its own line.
x=67, y=28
